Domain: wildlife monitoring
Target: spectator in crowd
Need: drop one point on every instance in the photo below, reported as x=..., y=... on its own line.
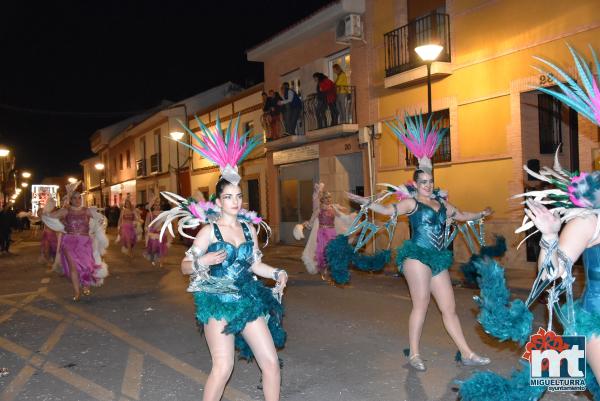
x=273, y=114
x=326, y=98
x=343, y=98
x=292, y=105
x=8, y=221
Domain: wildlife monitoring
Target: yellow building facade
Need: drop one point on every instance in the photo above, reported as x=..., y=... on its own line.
x=485, y=89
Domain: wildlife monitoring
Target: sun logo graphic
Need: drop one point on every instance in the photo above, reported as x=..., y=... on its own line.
x=556, y=362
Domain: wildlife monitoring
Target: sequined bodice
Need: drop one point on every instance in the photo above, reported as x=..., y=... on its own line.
x=154, y=228
x=239, y=259
x=591, y=294
x=128, y=217
x=77, y=222
x=326, y=217
x=428, y=226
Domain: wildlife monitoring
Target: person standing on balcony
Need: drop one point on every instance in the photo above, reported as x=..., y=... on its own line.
x=343, y=99
x=292, y=105
x=326, y=98
x=275, y=114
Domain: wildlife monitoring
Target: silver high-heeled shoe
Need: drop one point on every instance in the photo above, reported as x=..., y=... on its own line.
x=475, y=360
x=417, y=363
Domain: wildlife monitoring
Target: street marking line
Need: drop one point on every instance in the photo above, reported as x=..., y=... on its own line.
x=16, y=385
x=15, y=348
x=34, y=362
x=176, y=364
x=79, y=382
x=14, y=310
x=132, y=379
x=45, y=280
x=18, y=294
x=54, y=338
x=49, y=315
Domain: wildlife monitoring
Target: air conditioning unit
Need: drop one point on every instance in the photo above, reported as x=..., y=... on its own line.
x=349, y=28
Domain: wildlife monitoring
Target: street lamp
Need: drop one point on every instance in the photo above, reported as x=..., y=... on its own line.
x=100, y=167
x=429, y=53
x=72, y=180
x=24, y=184
x=26, y=174
x=177, y=136
x=4, y=151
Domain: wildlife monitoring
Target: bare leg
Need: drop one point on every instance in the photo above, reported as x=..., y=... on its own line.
x=441, y=288
x=418, y=277
x=222, y=350
x=74, y=275
x=593, y=356
x=259, y=339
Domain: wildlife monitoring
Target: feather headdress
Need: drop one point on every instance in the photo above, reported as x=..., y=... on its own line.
x=190, y=213
x=225, y=149
x=71, y=189
x=570, y=195
x=421, y=140
x=585, y=99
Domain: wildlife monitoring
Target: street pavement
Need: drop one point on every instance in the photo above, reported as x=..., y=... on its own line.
x=135, y=337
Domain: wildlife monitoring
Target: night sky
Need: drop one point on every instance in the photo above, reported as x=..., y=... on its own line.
x=70, y=68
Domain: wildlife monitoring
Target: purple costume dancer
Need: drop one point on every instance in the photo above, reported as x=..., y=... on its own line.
x=127, y=231
x=49, y=245
x=76, y=251
x=325, y=234
x=155, y=248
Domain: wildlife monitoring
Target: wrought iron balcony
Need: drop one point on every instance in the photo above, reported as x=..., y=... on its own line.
x=400, y=43
x=320, y=113
x=140, y=170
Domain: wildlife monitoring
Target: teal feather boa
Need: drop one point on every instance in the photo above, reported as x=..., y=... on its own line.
x=497, y=250
x=499, y=317
x=340, y=255
x=489, y=386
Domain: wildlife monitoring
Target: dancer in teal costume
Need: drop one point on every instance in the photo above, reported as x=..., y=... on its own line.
x=424, y=259
x=572, y=199
x=236, y=310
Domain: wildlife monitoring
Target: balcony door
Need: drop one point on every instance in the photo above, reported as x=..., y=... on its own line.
x=296, y=182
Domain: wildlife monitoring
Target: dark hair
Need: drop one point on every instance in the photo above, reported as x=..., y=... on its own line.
x=417, y=173
x=319, y=75
x=221, y=184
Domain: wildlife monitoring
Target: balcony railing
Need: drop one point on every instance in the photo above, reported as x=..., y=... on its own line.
x=320, y=112
x=400, y=43
x=140, y=170
x=155, y=163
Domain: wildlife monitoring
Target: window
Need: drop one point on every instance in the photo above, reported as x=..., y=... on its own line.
x=157, y=141
x=143, y=147
x=128, y=159
x=120, y=161
x=550, y=122
x=444, y=151
x=293, y=78
x=114, y=164
x=343, y=60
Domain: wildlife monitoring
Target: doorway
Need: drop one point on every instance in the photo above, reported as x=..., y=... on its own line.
x=296, y=182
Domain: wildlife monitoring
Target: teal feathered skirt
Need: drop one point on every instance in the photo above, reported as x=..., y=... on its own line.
x=437, y=261
x=586, y=323
x=254, y=301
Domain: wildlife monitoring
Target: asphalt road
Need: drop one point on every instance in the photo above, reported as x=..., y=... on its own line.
x=135, y=338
